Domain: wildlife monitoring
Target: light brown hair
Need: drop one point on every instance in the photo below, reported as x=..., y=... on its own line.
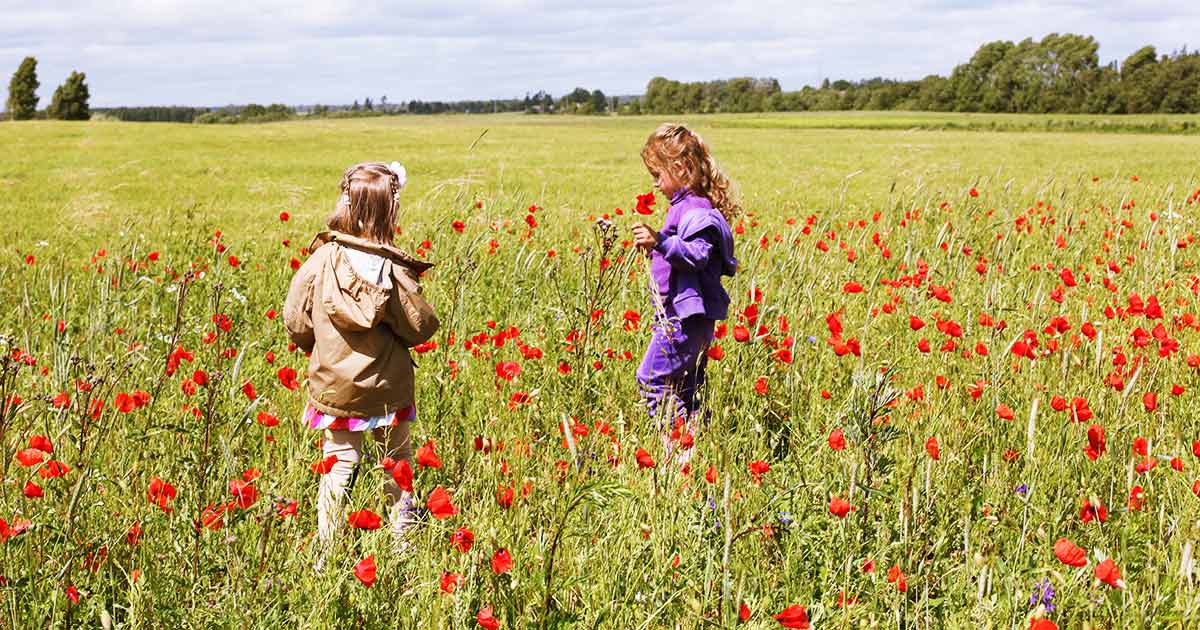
x=672, y=142
x=368, y=203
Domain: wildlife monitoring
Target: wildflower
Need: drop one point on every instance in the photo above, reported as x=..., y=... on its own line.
x=1043, y=595
x=1108, y=573
x=450, y=581
x=160, y=493
x=794, y=616
x=440, y=504
x=839, y=507
x=365, y=519
x=365, y=571
x=486, y=620
x=502, y=561
x=1069, y=553
x=427, y=455
x=462, y=539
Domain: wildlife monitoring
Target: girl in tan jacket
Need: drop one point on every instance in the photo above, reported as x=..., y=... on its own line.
x=356, y=306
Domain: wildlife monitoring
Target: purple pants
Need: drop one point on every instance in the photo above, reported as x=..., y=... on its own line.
x=673, y=369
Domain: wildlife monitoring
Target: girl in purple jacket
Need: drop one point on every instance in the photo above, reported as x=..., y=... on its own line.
x=688, y=256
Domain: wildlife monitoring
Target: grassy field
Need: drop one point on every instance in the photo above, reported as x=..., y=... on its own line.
x=1016, y=298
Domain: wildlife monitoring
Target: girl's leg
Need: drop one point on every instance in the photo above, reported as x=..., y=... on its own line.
x=396, y=441
x=347, y=446
x=657, y=377
x=699, y=336
x=692, y=349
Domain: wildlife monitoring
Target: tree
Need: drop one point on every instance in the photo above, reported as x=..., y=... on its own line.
x=70, y=100
x=367, y=104
x=22, y=91
x=599, y=102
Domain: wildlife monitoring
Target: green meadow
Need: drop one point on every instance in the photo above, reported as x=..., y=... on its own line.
x=992, y=272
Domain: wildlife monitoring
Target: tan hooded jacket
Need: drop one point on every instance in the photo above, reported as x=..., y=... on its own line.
x=358, y=333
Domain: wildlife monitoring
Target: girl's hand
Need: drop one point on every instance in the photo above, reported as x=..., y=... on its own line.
x=644, y=237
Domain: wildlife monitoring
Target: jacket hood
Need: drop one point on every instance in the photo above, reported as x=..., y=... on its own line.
x=352, y=303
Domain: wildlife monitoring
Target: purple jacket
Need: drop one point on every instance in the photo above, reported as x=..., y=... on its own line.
x=695, y=248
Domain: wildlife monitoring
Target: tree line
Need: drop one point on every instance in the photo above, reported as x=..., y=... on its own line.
x=1058, y=74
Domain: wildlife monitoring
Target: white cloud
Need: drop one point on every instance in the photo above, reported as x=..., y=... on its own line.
x=301, y=51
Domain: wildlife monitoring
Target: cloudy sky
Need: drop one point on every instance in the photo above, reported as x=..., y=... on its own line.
x=158, y=52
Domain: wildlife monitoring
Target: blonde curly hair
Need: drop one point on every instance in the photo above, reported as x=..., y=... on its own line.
x=673, y=142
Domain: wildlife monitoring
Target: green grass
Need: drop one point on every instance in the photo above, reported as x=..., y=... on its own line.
x=90, y=201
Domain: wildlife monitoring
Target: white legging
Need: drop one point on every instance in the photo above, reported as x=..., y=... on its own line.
x=395, y=442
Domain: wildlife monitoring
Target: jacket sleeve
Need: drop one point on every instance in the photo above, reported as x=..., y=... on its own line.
x=410, y=316
x=690, y=254
x=297, y=310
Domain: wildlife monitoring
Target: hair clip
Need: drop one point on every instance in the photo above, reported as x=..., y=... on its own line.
x=401, y=175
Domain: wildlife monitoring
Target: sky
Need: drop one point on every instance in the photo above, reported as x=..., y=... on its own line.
x=164, y=52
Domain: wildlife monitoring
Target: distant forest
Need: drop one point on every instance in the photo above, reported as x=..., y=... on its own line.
x=1058, y=74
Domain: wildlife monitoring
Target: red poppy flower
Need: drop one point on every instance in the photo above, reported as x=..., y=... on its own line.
x=440, y=504
x=644, y=460
x=248, y=390
x=710, y=475
x=1108, y=573
x=758, y=468
x=450, y=582
x=402, y=474
x=793, y=616
x=325, y=465
x=1069, y=553
x=365, y=571
x=365, y=519
x=427, y=455
x=837, y=440
x=123, y=402
x=32, y=490
x=29, y=457
x=839, y=507
x=508, y=370
x=931, y=447
x=502, y=561
x=1096, y=443
x=287, y=378
x=1137, y=499
x=245, y=493
x=897, y=577
x=53, y=468
x=1004, y=412
x=266, y=419
x=160, y=493
x=41, y=443
x=485, y=619
x=645, y=204
x=462, y=539
x=1090, y=511
x=504, y=496
x=760, y=386
x=744, y=612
